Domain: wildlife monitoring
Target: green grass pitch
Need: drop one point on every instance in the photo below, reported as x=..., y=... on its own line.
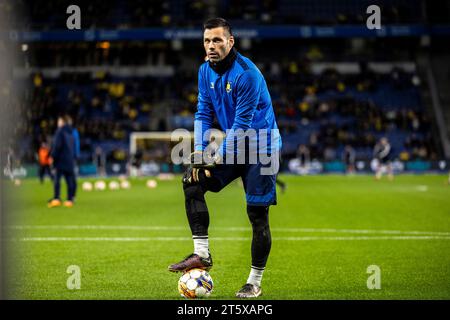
x=326, y=231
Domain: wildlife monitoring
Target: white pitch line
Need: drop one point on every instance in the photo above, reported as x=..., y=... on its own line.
x=140, y=239
x=351, y=238
x=124, y=239
x=292, y=230
x=94, y=227
x=358, y=231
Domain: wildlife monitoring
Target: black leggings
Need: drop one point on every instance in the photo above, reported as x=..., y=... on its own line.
x=198, y=217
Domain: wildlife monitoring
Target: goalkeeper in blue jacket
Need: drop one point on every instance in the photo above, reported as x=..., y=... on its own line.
x=232, y=89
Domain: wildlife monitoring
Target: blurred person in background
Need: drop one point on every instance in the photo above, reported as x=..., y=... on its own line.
x=63, y=154
x=382, y=153
x=76, y=140
x=304, y=157
x=45, y=162
x=11, y=165
x=100, y=161
x=348, y=157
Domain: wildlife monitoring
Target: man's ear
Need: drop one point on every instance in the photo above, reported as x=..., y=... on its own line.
x=231, y=40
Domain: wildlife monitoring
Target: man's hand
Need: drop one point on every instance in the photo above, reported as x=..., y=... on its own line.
x=196, y=171
x=198, y=163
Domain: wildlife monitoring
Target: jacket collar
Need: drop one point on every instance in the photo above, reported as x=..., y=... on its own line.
x=222, y=66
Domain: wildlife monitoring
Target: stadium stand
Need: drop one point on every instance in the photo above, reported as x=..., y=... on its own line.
x=327, y=93
x=337, y=108
x=141, y=13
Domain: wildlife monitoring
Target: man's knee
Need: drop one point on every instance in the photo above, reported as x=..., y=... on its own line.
x=193, y=189
x=196, y=208
x=259, y=216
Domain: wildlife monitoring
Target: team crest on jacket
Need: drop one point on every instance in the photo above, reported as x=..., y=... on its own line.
x=228, y=87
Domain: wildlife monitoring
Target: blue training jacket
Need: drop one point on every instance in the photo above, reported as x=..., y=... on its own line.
x=63, y=149
x=239, y=99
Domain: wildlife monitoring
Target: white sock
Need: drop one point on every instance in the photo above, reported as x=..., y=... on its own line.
x=201, y=246
x=255, y=276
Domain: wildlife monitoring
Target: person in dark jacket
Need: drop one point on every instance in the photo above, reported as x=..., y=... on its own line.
x=63, y=154
x=76, y=137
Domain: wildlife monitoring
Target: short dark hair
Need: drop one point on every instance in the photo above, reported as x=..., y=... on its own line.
x=65, y=118
x=216, y=23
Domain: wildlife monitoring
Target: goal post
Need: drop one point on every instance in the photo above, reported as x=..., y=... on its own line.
x=152, y=135
x=151, y=152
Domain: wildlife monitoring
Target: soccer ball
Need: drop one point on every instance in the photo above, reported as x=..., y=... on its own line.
x=114, y=185
x=100, y=185
x=151, y=183
x=87, y=186
x=125, y=184
x=195, y=283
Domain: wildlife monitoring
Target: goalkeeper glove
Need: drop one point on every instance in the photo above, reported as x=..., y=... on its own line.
x=197, y=163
